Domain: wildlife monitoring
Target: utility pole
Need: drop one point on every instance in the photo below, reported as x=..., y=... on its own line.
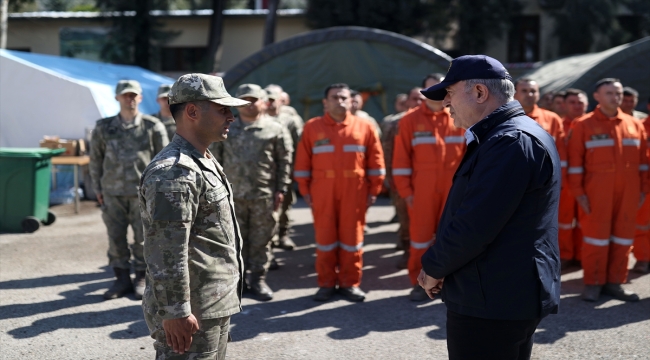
x=4, y=14
x=271, y=21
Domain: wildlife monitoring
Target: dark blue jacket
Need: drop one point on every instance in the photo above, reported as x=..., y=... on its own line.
x=496, y=245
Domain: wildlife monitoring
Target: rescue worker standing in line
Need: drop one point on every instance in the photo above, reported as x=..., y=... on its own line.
x=558, y=105
x=165, y=115
x=630, y=100
x=569, y=235
x=120, y=149
x=294, y=124
x=257, y=157
x=608, y=175
x=642, y=235
x=389, y=131
x=339, y=169
x=428, y=149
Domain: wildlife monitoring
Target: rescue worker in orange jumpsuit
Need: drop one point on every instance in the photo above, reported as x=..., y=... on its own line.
x=642, y=236
x=340, y=170
x=608, y=175
x=570, y=236
x=527, y=93
x=428, y=149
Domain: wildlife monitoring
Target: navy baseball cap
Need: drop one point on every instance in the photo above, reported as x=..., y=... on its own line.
x=466, y=68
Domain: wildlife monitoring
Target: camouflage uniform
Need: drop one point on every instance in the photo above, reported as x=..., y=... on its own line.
x=364, y=115
x=170, y=124
x=192, y=248
x=389, y=129
x=258, y=159
x=119, y=152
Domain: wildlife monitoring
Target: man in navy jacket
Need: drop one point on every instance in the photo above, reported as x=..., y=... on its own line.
x=496, y=250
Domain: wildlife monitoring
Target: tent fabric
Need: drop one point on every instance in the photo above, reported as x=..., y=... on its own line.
x=379, y=63
x=627, y=62
x=51, y=95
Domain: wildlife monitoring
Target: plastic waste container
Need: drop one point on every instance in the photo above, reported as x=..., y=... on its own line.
x=25, y=175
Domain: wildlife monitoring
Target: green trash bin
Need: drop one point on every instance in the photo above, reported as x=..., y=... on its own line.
x=25, y=175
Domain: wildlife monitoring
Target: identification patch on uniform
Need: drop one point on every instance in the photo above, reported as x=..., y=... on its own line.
x=422, y=134
x=171, y=202
x=600, y=136
x=322, y=142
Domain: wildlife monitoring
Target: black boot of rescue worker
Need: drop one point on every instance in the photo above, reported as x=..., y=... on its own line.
x=121, y=286
x=139, y=283
x=259, y=288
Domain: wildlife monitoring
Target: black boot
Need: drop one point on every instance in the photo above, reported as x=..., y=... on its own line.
x=139, y=283
x=258, y=286
x=121, y=286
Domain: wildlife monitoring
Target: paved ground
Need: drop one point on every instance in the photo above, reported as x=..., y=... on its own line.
x=51, y=306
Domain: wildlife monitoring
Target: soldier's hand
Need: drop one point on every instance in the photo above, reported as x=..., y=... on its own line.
x=179, y=332
x=307, y=199
x=409, y=201
x=279, y=198
x=583, y=201
x=641, y=200
x=100, y=199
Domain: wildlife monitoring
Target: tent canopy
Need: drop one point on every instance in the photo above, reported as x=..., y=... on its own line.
x=627, y=62
x=51, y=95
x=378, y=63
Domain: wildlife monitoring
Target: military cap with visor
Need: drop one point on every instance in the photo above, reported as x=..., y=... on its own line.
x=467, y=67
x=128, y=86
x=163, y=90
x=202, y=87
x=251, y=90
x=273, y=93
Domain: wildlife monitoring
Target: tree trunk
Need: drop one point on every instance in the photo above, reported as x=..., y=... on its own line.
x=271, y=20
x=4, y=9
x=214, y=38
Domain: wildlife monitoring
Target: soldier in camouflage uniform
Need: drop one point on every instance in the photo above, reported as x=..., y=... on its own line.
x=294, y=124
x=192, y=241
x=257, y=156
x=357, y=105
x=389, y=130
x=120, y=149
x=164, y=115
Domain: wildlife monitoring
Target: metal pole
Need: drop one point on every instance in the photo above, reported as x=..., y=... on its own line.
x=4, y=10
x=76, y=189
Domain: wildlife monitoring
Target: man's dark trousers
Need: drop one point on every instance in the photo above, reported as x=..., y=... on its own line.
x=470, y=337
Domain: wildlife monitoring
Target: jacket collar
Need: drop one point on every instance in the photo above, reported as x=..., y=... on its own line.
x=347, y=121
x=503, y=113
x=602, y=117
x=117, y=121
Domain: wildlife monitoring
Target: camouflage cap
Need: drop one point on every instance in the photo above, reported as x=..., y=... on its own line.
x=199, y=87
x=273, y=92
x=128, y=86
x=251, y=90
x=163, y=90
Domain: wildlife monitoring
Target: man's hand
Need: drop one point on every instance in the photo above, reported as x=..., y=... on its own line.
x=307, y=199
x=279, y=198
x=371, y=200
x=100, y=199
x=409, y=201
x=179, y=332
x=641, y=200
x=430, y=285
x=583, y=201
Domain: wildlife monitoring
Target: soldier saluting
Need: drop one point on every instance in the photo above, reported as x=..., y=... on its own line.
x=192, y=244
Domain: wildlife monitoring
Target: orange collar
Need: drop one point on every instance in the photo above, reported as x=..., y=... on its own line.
x=428, y=112
x=347, y=121
x=598, y=114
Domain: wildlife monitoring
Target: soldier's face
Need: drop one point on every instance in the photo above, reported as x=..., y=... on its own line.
x=163, y=102
x=357, y=103
x=256, y=107
x=129, y=101
x=527, y=93
x=215, y=121
x=337, y=102
x=629, y=103
x=415, y=99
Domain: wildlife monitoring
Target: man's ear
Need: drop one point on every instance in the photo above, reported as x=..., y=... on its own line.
x=192, y=111
x=481, y=92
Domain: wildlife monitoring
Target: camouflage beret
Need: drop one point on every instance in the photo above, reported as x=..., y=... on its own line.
x=128, y=86
x=199, y=87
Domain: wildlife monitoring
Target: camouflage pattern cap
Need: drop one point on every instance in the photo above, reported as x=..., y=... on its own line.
x=251, y=90
x=273, y=92
x=199, y=87
x=163, y=90
x=128, y=86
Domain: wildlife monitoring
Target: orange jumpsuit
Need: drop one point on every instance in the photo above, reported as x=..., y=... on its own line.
x=428, y=149
x=339, y=165
x=642, y=236
x=570, y=235
x=608, y=163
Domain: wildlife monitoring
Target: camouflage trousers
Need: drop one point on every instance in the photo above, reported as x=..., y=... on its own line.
x=118, y=212
x=289, y=199
x=401, y=209
x=258, y=224
x=209, y=342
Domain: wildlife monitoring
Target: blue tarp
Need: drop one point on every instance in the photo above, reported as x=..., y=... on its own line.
x=100, y=78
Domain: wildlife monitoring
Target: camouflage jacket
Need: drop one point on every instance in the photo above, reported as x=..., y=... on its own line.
x=256, y=157
x=120, y=151
x=292, y=122
x=169, y=122
x=192, y=243
x=389, y=130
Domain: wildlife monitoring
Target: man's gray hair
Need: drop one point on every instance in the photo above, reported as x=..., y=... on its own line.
x=502, y=89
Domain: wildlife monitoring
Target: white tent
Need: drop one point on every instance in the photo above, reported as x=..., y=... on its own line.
x=49, y=95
